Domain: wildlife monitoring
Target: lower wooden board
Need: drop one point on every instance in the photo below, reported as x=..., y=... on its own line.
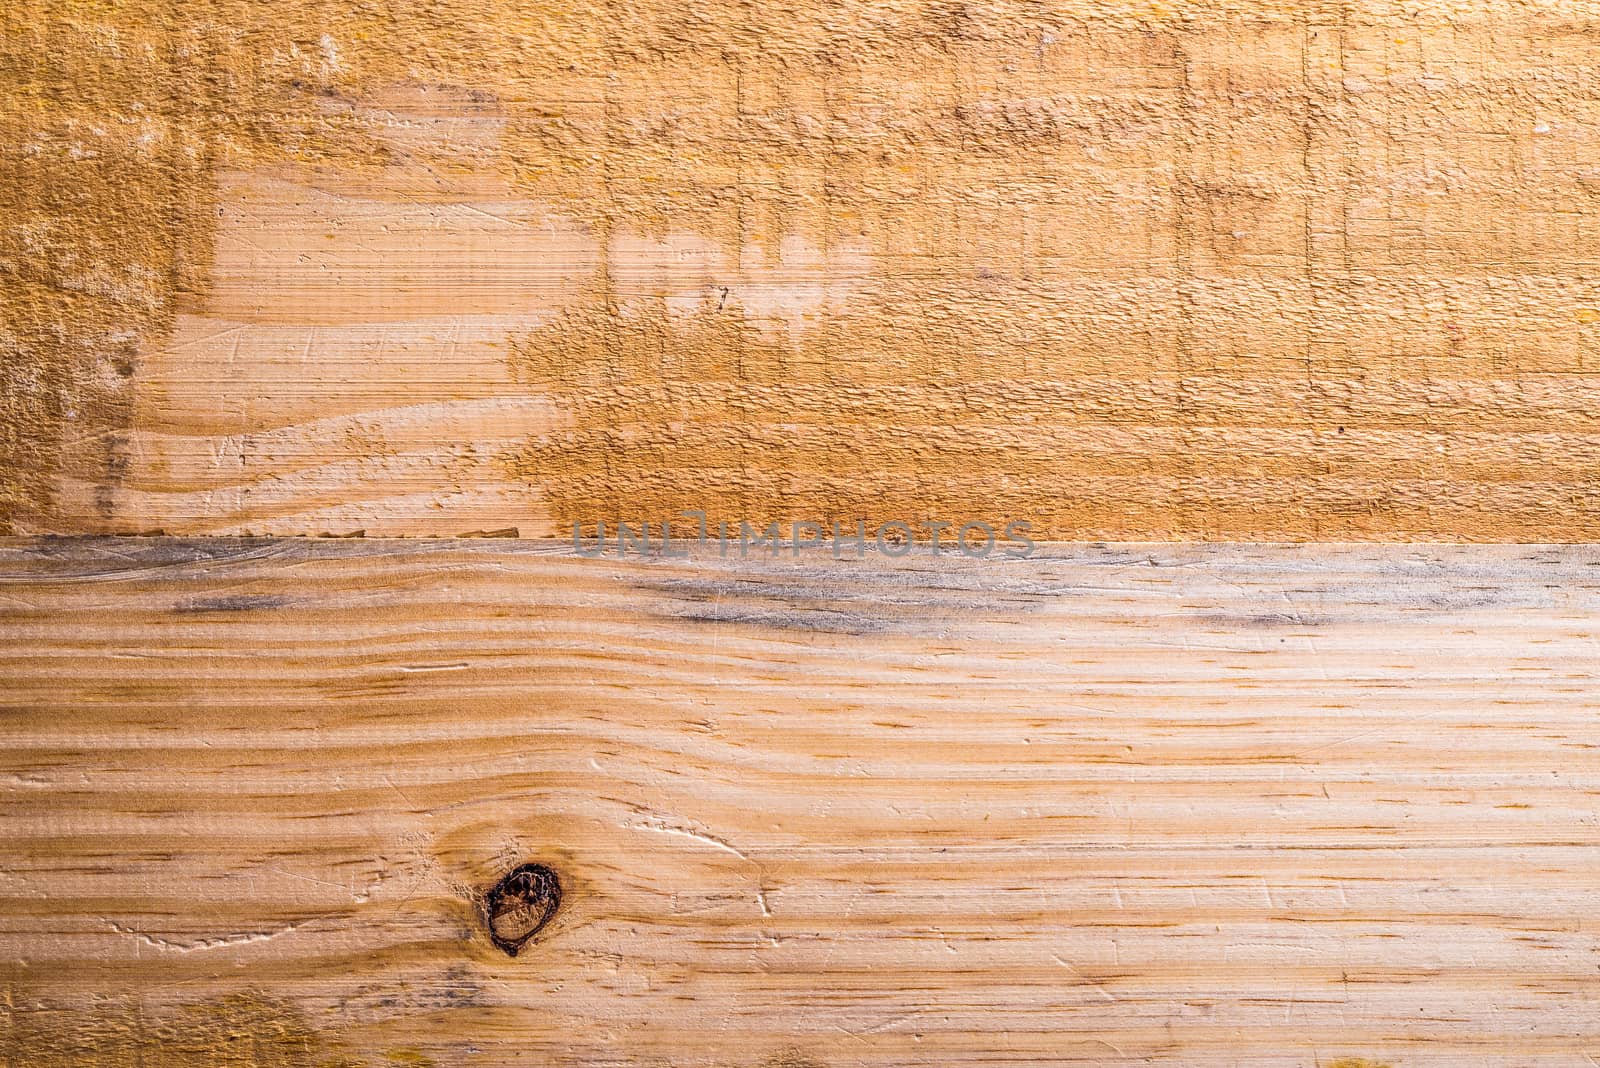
x=1108, y=805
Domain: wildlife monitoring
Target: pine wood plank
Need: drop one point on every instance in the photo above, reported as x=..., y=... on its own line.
x=1110, y=805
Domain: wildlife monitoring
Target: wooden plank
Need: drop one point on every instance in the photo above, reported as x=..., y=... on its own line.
x=1289, y=270
x=1109, y=805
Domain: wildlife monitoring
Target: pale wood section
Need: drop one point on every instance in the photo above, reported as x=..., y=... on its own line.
x=1108, y=806
x=348, y=365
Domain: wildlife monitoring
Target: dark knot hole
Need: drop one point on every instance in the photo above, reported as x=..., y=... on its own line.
x=520, y=905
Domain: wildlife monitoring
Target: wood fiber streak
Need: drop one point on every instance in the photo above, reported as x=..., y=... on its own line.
x=1318, y=270
x=1209, y=806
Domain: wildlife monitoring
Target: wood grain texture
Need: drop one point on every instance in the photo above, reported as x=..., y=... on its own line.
x=1111, y=805
x=1308, y=270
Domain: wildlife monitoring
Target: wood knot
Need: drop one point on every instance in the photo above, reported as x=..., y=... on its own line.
x=519, y=906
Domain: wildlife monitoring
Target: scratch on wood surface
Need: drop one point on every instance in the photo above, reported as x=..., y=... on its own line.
x=246, y=938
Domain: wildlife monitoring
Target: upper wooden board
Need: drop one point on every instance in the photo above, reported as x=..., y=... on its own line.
x=1121, y=269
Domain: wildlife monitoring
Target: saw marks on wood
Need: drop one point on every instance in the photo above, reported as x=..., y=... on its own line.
x=1311, y=270
x=1120, y=805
